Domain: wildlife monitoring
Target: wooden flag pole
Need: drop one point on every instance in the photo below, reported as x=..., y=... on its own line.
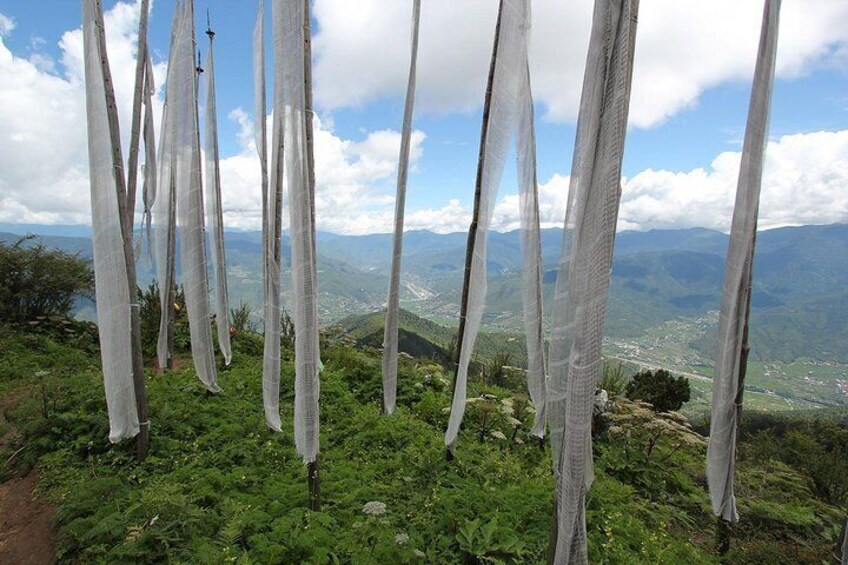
x=135, y=131
x=313, y=468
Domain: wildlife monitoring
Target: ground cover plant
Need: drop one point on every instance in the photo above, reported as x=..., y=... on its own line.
x=218, y=487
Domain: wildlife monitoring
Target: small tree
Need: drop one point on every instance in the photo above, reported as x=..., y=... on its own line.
x=495, y=371
x=242, y=318
x=661, y=389
x=36, y=281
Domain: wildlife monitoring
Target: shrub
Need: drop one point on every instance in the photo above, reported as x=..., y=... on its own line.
x=242, y=319
x=661, y=389
x=613, y=380
x=150, y=312
x=40, y=282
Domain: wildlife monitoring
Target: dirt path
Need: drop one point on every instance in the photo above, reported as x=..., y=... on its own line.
x=26, y=534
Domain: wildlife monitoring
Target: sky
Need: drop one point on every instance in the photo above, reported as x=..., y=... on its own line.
x=691, y=85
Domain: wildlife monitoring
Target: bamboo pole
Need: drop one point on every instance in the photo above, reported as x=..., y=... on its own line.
x=313, y=468
x=478, y=188
x=142, y=440
x=135, y=131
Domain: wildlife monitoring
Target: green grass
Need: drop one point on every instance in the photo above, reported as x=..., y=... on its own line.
x=218, y=487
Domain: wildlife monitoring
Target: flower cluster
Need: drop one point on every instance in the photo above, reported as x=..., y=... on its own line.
x=374, y=508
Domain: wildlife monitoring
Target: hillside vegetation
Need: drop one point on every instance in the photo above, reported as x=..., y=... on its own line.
x=425, y=339
x=218, y=487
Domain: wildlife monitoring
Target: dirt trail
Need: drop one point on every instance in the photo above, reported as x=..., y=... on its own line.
x=26, y=534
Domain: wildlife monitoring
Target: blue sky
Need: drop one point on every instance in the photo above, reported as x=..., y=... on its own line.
x=687, y=119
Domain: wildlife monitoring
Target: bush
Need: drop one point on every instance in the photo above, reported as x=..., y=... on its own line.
x=661, y=389
x=39, y=282
x=613, y=380
x=242, y=319
x=151, y=313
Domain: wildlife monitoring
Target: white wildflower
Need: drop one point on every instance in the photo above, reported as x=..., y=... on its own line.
x=401, y=539
x=497, y=434
x=601, y=400
x=374, y=508
x=514, y=422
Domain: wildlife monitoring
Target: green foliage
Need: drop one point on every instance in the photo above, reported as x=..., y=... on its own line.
x=817, y=447
x=613, y=379
x=661, y=389
x=484, y=544
x=218, y=487
x=151, y=313
x=499, y=372
x=423, y=338
x=242, y=318
x=38, y=282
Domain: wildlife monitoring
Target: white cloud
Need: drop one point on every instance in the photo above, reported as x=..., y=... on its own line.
x=7, y=24
x=355, y=180
x=805, y=181
x=43, y=163
x=683, y=48
x=43, y=150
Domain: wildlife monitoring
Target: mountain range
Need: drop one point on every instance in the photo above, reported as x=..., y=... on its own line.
x=799, y=301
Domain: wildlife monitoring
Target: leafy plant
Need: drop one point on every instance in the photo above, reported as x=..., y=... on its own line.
x=613, y=379
x=38, y=282
x=661, y=389
x=484, y=543
x=151, y=312
x=242, y=319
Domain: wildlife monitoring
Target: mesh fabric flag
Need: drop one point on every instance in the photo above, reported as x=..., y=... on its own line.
x=110, y=268
x=214, y=211
x=584, y=275
x=499, y=118
x=728, y=382
x=390, y=337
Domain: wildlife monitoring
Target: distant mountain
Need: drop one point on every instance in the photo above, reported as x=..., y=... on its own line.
x=800, y=299
x=423, y=338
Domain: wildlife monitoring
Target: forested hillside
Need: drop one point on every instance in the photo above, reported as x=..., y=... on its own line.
x=799, y=299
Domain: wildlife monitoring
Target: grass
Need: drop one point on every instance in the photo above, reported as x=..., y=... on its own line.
x=218, y=487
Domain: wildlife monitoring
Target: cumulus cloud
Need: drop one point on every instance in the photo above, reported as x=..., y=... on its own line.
x=43, y=163
x=683, y=48
x=805, y=181
x=355, y=185
x=43, y=151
